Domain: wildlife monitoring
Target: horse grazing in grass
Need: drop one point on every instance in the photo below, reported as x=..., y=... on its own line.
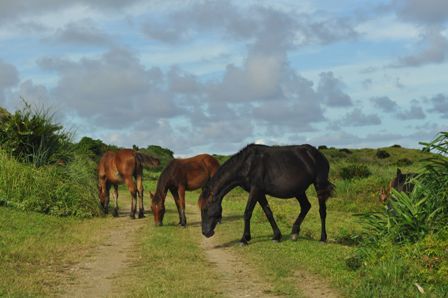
x=124, y=166
x=279, y=171
x=401, y=182
x=178, y=176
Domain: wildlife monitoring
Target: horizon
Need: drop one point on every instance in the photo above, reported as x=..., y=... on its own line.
x=214, y=76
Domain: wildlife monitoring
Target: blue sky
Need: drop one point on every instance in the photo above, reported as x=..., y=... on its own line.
x=212, y=76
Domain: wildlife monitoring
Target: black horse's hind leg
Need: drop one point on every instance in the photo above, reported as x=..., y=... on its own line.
x=251, y=202
x=267, y=210
x=304, y=208
x=323, y=215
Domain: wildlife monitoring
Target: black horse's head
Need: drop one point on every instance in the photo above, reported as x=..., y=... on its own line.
x=158, y=208
x=211, y=212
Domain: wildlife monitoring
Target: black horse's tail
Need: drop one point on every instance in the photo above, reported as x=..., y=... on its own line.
x=147, y=161
x=324, y=188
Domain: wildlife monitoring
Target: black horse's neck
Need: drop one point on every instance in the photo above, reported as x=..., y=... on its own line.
x=228, y=176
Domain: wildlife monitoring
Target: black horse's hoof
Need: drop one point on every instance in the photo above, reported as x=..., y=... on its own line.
x=276, y=240
x=294, y=237
x=132, y=216
x=244, y=243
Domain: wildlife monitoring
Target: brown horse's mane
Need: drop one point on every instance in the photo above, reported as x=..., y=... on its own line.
x=162, y=181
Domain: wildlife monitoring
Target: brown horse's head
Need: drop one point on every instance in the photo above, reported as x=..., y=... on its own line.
x=158, y=208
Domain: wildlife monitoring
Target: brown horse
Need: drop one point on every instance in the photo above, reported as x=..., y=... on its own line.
x=401, y=182
x=178, y=176
x=123, y=166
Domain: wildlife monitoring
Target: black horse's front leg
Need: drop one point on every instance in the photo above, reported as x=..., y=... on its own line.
x=267, y=210
x=251, y=202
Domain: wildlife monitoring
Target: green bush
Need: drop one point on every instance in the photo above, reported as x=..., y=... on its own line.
x=53, y=189
x=354, y=171
x=402, y=162
x=381, y=154
x=30, y=135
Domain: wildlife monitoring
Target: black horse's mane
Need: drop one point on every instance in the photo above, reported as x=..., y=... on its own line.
x=234, y=159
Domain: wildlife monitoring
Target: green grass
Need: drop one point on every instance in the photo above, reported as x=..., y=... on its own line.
x=35, y=248
x=171, y=261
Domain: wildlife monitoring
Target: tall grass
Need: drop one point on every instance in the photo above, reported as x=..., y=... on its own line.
x=54, y=189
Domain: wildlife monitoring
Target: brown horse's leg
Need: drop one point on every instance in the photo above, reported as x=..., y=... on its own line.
x=181, y=192
x=133, y=190
x=141, y=211
x=106, y=204
x=267, y=210
x=115, y=212
x=176, y=200
x=304, y=208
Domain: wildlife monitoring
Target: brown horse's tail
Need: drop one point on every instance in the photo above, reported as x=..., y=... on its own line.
x=147, y=161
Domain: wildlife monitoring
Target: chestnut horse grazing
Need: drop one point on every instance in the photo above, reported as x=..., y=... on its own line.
x=401, y=182
x=178, y=176
x=279, y=171
x=123, y=166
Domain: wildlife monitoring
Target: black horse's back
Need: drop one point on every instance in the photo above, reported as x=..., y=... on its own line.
x=287, y=171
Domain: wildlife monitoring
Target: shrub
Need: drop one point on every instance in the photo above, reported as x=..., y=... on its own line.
x=382, y=154
x=396, y=146
x=354, y=171
x=345, y=150
x=404, y=162
x=30, y=135
x=322, y=147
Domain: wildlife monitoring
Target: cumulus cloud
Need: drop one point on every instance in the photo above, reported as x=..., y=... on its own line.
x=424, y=12
x=330, y=91
x=358, y=118
x=112, y=89
x=9, y=77
x=439, y=104
x=433, y=49
x=384, y=103
x=84, y=32
x=266, y=26
x=413, y=112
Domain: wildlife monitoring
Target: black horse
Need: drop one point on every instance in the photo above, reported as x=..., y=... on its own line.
x=279, y=171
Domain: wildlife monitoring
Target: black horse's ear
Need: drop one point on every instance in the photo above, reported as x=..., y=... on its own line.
x=398, y=172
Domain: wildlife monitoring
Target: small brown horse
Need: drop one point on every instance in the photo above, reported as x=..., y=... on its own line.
x=401, y=182
x=178, y=176
x=123, y=166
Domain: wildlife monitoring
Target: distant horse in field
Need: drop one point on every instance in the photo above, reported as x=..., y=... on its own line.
x=401, y=182
x=124, y=166
x=279, y=171
x=178, y=176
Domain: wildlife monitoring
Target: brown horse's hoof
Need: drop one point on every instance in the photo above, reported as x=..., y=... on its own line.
x=132, y=216
x=115, y=213
x=294, y=237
